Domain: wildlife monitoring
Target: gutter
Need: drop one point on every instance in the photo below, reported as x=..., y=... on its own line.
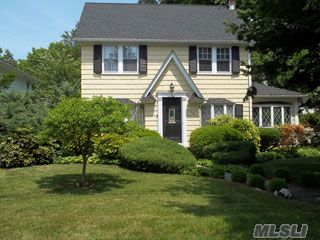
x=134, y=40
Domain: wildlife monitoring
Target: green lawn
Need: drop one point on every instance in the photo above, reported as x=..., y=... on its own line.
x=293, y=165
x=44, y=202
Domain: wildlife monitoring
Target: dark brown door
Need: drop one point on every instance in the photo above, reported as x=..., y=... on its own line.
x=172, y=119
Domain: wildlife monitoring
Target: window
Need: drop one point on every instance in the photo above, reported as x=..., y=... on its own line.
x=212, y=111
x=111, y=59
x=271, y=115
x=223, y=60
x=130, y=59
x=205, y=59
x=120, y=59
x=214, y=60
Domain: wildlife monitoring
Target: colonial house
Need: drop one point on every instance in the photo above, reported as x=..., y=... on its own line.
x=22, y=81
x=177, y=64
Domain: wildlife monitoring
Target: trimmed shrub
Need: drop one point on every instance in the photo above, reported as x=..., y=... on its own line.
x=134, y=130
x=23, y=148
x=309, y=179
x=207, y=135
x=256, y=169
x=233, y=152
x=153, y=154
x=270, y=137
x=78, y=160
x=283, y=173
x=308, y=152
x=107, y=146
x=239, y=176
x=310, y=120
x=256, y=181
x=246, y=127
x=277, y=184
x=268, y=156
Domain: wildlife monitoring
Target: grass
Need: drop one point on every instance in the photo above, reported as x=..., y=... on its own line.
x=293, y=165
x=44, y=202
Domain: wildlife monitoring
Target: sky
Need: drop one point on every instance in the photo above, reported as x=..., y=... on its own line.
x=35, y=23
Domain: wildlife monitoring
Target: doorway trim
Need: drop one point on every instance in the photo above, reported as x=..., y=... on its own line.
x=184, y=103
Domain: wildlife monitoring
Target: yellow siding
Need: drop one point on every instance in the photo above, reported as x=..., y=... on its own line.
x=133, y=86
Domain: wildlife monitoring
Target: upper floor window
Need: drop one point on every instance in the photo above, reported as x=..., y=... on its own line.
x=214, y=60
x=120, y=59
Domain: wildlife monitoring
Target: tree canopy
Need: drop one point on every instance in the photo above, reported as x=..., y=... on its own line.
x=284, y=37
x=7, y=56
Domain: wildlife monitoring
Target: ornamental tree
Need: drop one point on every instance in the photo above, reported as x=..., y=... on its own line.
x=75, y=122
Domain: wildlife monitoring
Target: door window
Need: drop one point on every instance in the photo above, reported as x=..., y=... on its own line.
x=172, y=115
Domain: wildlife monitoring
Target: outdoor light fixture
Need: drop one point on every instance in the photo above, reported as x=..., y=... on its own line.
x=171, y=87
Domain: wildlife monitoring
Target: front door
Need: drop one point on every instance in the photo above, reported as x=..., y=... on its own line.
x=172, y=119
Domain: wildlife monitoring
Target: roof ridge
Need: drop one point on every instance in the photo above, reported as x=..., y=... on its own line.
x=150, y=4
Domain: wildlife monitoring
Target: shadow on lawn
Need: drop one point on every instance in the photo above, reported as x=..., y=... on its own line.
x=240, y=207
x=69, y=183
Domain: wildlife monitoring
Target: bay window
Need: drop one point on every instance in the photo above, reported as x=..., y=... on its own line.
x=268, y=115
x=120, y=59
x=214, y=60
x=211, y=111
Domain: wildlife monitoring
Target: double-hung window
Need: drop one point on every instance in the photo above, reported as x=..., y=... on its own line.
x=265, y=115
x=215, y=60
x=120, y=59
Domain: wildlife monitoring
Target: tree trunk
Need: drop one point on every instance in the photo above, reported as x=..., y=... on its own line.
x=84, y=168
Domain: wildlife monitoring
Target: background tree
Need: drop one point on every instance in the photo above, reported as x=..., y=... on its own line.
x=7, y=56
x=284, y=37
x=75, y=122
x=5, y=80
x=202, y=2
x=56, y=68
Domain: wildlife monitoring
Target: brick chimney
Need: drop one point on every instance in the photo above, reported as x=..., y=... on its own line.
x=232, y=4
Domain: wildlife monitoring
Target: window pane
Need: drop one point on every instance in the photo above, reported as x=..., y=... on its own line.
x=205, y=114
x=223, y=66
x=111, y=59
x=287, y=115
x=230, y=110
x=255, y=116
x=218, y=110
x=205, y=59
x=223, y=60
x=266, y=117
x=277, y=120
x=130, y=59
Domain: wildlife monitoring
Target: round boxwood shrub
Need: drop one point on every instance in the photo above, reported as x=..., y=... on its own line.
x=283, y=173
x=154, y=154
x=256, y=169
x=256, y=181
x=231, y=152
x=276, y=184
x=239, y=176
x=206, y=135
x=270, y=137
x=309, y=179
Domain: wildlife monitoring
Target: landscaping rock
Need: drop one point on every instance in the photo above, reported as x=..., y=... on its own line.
x=284, y=192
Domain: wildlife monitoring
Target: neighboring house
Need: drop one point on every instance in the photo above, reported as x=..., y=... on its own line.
x=23, y=82
x=176, y=64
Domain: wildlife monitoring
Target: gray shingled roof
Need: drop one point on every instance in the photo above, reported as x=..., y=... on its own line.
x=176, y=23
x=264, y=90
x=218, y=101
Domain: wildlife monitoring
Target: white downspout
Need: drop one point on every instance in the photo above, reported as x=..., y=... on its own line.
x=249, y=85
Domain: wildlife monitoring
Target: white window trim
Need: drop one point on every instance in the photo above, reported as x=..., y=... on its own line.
x=214, y=62
x=120, y=61
x=224, y=109
x=272, y=106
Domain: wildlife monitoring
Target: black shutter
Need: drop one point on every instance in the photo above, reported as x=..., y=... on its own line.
x=193, y=59
x=143, y=59
x=97, y=59
x=239, y=111
x=235, y=60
